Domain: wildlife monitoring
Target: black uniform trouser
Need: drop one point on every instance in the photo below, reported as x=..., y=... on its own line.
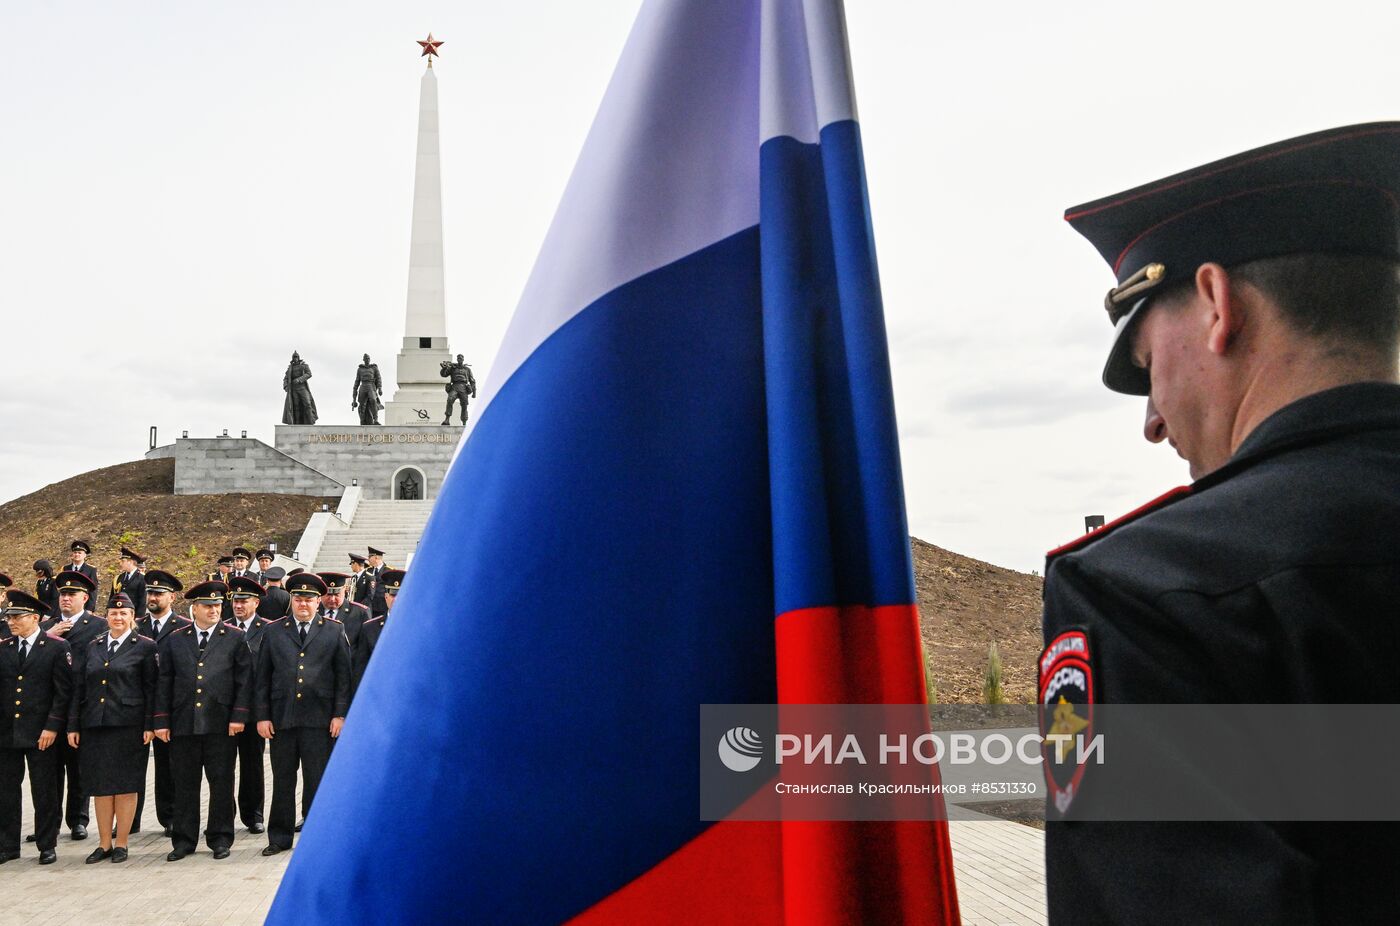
x=165, y=789
x=250, y=775
x=309, y=748
x=44, y=769
x=75, y=810
x=192, y=758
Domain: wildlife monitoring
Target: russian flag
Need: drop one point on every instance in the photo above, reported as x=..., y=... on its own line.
x=682, y=487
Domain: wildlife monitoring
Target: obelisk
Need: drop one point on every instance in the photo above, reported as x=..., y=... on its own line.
x=420, y=396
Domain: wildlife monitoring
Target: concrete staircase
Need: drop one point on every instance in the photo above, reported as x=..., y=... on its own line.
x=391, y=526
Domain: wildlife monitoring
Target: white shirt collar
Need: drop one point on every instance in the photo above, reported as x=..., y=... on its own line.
x=32, y=638
x=118, y=640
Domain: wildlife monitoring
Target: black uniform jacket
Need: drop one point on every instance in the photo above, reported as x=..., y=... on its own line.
x=204, y=693
x=377, y=605
x=299, y=687
x=364, y=585
x=46, y=590
x=275, y=604
x=363, y=648
x=146, y=626
x=352, y=617
x=134, y=584
x=253, y=637
x=1274, y=579
x=89, y=570
x=117, y=690
x=86, y=628
x=42, y=686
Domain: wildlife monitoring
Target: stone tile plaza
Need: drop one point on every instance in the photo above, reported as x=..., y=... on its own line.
x=1000, y=870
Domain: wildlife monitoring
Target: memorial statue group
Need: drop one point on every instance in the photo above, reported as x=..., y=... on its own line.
x=367, y=394
x=264, y=659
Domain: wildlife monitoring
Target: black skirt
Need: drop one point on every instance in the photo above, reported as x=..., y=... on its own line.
x=112, y=760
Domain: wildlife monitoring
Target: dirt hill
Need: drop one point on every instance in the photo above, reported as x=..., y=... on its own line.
x=965, y=604
x=134, y=505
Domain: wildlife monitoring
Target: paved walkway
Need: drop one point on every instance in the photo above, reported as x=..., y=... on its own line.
x=999, y=868
x=145, y=890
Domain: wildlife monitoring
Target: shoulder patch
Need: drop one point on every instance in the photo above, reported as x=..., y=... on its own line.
x=1066, y=713
x=1099, y=533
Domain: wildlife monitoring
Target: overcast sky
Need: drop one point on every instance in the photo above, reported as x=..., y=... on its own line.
x=190, y=191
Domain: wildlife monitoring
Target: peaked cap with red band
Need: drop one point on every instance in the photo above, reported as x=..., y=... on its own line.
x=1332, y=192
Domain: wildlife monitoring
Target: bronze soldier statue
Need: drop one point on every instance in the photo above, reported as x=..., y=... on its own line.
x=368, y=388
x=462, y=384
x=300, y=407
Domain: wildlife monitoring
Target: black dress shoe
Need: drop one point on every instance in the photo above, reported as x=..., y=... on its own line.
x=30, y=838
x=134, y=830
x=80, y=832
x=98, y=855
x=176, y=855
x=273, y=850
x=118, y=854
x=221, y=852
x=256, y=828
x=8, y=857
x=48, y=857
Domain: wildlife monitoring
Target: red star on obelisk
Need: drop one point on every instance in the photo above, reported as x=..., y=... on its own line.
x=430, y=48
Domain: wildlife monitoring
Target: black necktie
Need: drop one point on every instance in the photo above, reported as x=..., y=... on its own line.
x=23, y=651
x=203, y=640
x=111, y=647
x=301, y=629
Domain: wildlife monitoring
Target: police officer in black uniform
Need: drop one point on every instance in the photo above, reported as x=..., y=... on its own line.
x=79, y=627
x=78, y=553
x=45, y=589
x=275, y=603
x=242, y=558
x=333, y=604
x=247, y=595
x=110, y=717
x=303, y=693
x=363, y=649
x=375, y=570
x=223, y=571
x=160, y=622
x=265, y=558
x=206, y=679
x=1257, y=307
x=364, y=579
x=130, y=581
x=40, y=670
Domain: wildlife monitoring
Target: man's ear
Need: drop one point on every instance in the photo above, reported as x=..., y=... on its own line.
x=1220, y=297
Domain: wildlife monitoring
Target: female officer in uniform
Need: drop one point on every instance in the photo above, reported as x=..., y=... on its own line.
x=44, y=588
x=114, y=695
